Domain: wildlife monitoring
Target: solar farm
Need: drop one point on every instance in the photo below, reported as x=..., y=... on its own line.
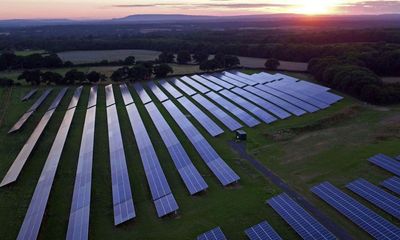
x=154, y=160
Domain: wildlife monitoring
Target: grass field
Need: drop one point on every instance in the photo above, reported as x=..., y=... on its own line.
x=328, y=145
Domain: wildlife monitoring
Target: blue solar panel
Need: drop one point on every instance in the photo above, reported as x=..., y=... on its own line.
x=258, y=112
x=232, y=108
x=300, y=220
x=29, y=94
x=229, y=80
x=191, y=177
x=142, y=93
x=170, y=89
x=166, y=205
x=227, y=120
x=110, y=99
x=207, y=83
x=218, y=81
x=386, y=163
x=243, y=75
x=126, y=95
x=182, y=86
x=213, y=234
x=92, y=97
x=160, y=95
x=218, y=166
x=362, y=216
x=393, y=184
x=262, y=231
x=209, y=125
x=376, y=196
x=75, y=97
x=195, y=85
x=241, y=79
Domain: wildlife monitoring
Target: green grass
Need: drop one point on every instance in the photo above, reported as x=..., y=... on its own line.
x=29, y=52
x=328, y=145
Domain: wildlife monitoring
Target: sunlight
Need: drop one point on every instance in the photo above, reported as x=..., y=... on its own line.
x=316, y=7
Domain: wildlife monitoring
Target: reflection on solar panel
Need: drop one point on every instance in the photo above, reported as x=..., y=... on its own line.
x=227, y=120
x=161, y=193
x=34, y=216
x=218, y=81
x=241, y=79
x=157, y=92
x=75, y=98
x=30, y=111
x=376, y=196
x=110, y=99
x=230, y=80
x=261, y=114
x=191, y=177
x=78, y=225
x=142, y=93
x=207, y=83
x=393, y=184
x=238, y=112
x=167, y=86
x=262, y=231
x=209, y=125
x=243, y=75
x=220, y=169
x=387, y=163
x=213, y=234
x=362, y=216
x=27, y=149
x=277, y=111
x=295, y=101
x=185, y=88
x=29, y=95
x=121, y=187
x=126, y=95
x=300, y=220
x=195, y=85
x=279, y=102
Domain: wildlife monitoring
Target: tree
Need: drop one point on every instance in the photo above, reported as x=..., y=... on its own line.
x=121, y=74
x=130, y=60
x=93, y=77
x=141, y=71
x=52, y=77
x=209, y=65
x=52, y=61
x=6, y=82
x=32, y=77
x=74, y=75
x=184, y=57
x=231, y=61
x=272, y=64
x=200, y=56
x=162, y=70
x=166, y=57
x=8, y=60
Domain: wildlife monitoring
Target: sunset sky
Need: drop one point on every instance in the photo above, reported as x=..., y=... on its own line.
x=104, y=9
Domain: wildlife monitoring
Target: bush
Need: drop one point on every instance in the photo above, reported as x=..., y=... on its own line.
x=272, y=64
x=6, y=82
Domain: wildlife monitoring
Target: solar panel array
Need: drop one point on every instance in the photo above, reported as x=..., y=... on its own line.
x=209, y=125
x=30, y=111
x=386, y=162
x=29, y=95
x=262, y=231
x=19, y=162
x=369, y=221
x=247, y=81
x=142, y=93
x=227, y=120
x=218, y=166
x=182, y=86
x=300, y=220
x=229, y=80
x=170, y=89
x=34, y=216
x=393, y=184
x=121, y=187
x=78, y=225
x=161, y=193
x=213, y=234
x=375, y=195
x=194, y=182
x=218, y=81
x=195, y=85
x=160, y=95
x=126, y=95
x=207, y=83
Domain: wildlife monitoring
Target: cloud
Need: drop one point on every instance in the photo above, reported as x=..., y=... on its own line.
x=371, y=7
x=208, y=5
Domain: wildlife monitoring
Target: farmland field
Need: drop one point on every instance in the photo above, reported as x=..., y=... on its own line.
x=331, y=144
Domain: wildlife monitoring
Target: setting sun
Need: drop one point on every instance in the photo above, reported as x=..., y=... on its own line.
x=313, y=7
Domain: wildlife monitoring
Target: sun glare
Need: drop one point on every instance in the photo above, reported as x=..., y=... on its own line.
x=316, y=7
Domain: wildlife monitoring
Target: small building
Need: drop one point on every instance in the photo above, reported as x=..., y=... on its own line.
x=241, y=135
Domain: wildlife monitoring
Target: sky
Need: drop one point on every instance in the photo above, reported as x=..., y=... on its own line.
x=105, y=9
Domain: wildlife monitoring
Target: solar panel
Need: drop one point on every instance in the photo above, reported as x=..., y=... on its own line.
x=58, y=99
x=157, y=92
x=75, y=97
x=261, y=114
x=387, y=163
x=209, y=125
x=236, y=111
x=156, y=179
x=262, y=231
x=29, y=94
x=78, y=225
x=194, y=182
x=277, y=111
x=170, y=89
x=121, y=187
x=218, y=81
x=182, y=86
x=227, y=120
x=393, y=184
x=376, y=196
x=362, y=216
x=207, y=83
x=30, y=111
x=241, y=79
x=195, y=85
x=229, y=80
x=142, y=93
x=213, y=234
x=218, y=166
x=300, y=220
x=110, y=99
x=34, y=216
x=244, y=75
x=30, y=144
x=126, y=95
